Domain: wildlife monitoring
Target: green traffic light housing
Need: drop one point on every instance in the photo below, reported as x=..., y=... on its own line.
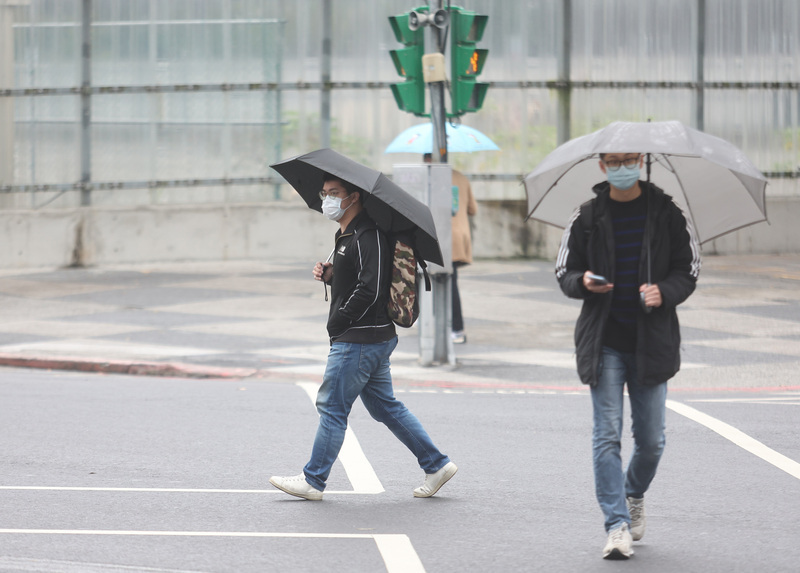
x=410, y=94
x=466, y=61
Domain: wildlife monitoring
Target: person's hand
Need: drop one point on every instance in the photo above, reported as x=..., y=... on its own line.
x=323, y=271
x=652, y=295
x=595, y=287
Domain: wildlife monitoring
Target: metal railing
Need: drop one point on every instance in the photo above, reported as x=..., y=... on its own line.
x=564, y=86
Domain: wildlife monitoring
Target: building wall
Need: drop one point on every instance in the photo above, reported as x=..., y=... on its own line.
x=289, y=232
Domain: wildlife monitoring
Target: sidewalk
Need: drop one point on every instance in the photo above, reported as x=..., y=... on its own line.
x=741, y=328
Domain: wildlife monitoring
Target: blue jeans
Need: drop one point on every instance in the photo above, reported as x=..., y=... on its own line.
x=648, y=412
x=355, y=370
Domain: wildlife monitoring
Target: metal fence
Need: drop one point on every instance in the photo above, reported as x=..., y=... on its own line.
x=143, y=97
x=189, y=101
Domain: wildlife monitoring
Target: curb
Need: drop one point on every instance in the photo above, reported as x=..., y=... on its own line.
x=164, y=369
x=192, y=371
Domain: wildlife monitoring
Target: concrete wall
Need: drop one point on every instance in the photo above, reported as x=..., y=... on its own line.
x=101, y=236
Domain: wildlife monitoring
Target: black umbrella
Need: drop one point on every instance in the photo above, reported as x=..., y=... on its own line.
x=392, y=208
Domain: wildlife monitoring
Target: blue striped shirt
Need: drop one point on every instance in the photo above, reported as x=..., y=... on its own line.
x=628, y=221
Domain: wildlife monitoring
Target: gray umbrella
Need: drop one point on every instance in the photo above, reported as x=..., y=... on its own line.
x=392, y=208
x=712, y=181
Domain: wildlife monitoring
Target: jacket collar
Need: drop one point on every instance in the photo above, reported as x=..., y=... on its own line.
x=603, y=189
x=360, y=221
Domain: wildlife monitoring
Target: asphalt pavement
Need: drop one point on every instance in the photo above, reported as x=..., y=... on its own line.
x=741, y=328
x=155, y=403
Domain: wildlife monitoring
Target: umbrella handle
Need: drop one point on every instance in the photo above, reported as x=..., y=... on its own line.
x=647, y=222
x=645, y=308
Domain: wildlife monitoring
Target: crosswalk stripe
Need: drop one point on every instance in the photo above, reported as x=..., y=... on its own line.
x=356, y=465
x=738, y=437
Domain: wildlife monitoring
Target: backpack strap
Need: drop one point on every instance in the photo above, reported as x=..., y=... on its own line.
x=423, y=265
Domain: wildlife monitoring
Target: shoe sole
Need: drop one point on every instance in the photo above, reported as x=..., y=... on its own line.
x=447, y=477
x=295, y=494
x=616, y=555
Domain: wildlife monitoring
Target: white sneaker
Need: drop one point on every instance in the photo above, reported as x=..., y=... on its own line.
x=458, y=336
x=296, y=486
x=636, y=511
x=433, y=482
x=619, y=544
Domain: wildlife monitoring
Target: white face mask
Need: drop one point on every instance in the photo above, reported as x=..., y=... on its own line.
x=332, y=208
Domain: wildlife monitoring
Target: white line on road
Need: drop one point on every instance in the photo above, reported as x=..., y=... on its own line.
x=398, y=554
x=738, y=437
x=777, y=401
x=20, y=564
x=159, y=490
x=356, y=465
x=396, y=550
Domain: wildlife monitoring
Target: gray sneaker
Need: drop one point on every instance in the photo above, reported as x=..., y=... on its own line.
x=435, y=481
x=619, y=544
x=296, y=486
x=636, y=511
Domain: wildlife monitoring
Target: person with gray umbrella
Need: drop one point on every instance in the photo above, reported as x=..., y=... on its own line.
x=632, y=256
x=362, y=340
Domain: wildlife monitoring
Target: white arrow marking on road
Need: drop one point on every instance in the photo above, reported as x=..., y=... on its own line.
x=356, y=465
x=738, y=437
x=396, y=550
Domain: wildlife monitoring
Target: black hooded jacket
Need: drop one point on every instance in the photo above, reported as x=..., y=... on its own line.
x=588, y=244
x=360, y=285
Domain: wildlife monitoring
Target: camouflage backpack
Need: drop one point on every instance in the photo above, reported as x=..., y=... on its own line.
x=403, y=305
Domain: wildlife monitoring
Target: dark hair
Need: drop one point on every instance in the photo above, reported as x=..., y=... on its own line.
x=348, y=187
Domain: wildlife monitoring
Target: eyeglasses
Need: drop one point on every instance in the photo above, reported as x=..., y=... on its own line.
x=615, y=164
x=323, y=194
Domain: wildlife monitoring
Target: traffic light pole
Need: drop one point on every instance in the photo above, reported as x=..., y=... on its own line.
x=441, y=295
x=438, y=112
x=418, y=70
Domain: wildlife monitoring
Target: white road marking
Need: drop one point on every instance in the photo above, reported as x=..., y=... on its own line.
x=788, y=400
x=58, y=566
x=159, y=490
x=356, y=465
x=396, y=550
x=398, y=553
x=738, y=437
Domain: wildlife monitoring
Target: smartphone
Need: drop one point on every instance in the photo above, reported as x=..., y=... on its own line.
x=598, y=279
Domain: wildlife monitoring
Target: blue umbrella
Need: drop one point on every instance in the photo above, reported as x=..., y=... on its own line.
x=419, y=139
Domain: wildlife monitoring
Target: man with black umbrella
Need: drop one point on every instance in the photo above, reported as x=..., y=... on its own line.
x=632, y=256
x=362, y=339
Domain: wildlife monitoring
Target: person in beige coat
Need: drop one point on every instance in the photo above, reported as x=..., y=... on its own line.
x=462, y=244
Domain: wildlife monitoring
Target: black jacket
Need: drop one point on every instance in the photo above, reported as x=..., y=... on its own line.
x=360, y=285
x=675, y=265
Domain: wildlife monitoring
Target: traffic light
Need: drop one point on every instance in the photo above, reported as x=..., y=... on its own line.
x=410, y=94
x=466, y=61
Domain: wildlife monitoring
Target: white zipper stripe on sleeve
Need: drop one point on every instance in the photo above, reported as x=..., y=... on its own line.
x=563, y=250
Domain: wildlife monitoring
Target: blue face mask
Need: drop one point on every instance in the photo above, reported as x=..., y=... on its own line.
x=623, y=178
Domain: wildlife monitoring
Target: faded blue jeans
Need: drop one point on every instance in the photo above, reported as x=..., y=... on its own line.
x=648, y=413
x=355, y=370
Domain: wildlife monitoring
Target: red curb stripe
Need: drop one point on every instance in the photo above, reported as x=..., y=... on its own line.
x=167, y=370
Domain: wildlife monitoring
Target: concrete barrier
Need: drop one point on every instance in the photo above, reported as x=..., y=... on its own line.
x=98, y=236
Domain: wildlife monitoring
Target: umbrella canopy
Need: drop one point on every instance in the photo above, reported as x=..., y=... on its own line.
x=460, y=138
x=712, y=180
x=392, y=208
